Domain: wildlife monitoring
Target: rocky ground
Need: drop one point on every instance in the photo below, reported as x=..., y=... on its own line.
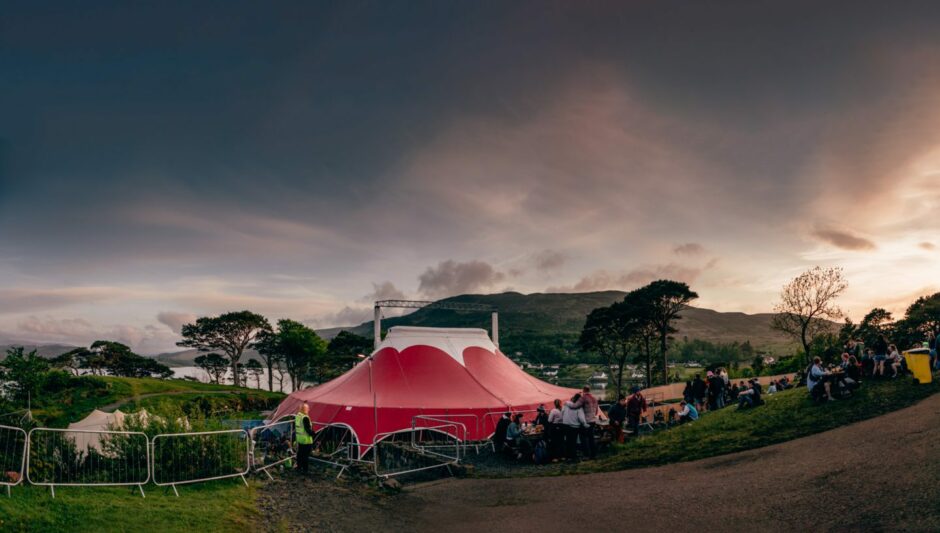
x=877, y=475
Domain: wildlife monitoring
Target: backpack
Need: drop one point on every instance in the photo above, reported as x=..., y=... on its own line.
x=540, y=455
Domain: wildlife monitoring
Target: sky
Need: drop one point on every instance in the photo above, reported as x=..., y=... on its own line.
x=162, y=161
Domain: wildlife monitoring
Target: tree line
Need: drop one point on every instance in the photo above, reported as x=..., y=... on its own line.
x=637, y=329
x=290, y=349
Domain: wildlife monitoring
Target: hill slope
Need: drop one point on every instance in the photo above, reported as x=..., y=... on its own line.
x=552, y=322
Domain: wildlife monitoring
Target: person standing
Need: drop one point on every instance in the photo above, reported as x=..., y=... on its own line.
x=932, y=346
x=617, y=415
x=699, y=389
x=556, y=432
x=636, y=405
x=588, y=404
x=572, y=418
x=303, y=433
x=499, y=435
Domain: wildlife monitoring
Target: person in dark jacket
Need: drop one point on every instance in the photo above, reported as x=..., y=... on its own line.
x=716, y=392
x=635, y=407
x=617, y=415
x=699, y=389
x=687, y=392
x=499, y=436
x=541, y=417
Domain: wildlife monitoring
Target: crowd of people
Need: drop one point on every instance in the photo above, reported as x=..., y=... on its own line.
x=572, y=429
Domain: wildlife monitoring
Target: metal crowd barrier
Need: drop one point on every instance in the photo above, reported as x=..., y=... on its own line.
x=13, y=446
x=449, y=460
x=84, y=458
x=183, y=458
x=333, y=451
x=272, y=445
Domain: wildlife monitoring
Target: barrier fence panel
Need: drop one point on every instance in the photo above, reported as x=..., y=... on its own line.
x=272, y=445
x=432, y=440
x=182, y=458
x=12, y=456
x=85, y=458
x=391, y=455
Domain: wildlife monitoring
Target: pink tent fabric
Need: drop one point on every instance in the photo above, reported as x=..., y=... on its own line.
x=454, y=374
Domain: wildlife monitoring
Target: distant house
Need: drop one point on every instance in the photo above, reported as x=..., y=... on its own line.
x=769, y=361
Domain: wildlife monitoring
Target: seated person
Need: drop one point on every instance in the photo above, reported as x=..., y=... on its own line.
x=514, y=439
x=817, y=380
x=894, y=359
x=687, y=412
x=541, y=418
x=772, y=388
x=750, y=396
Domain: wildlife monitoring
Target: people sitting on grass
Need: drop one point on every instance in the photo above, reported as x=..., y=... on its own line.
x=687, y=412
x=750, y=396
x=617, y=415
x=733, y=393
x=572, y=418
x=818, y=382
x=772, y=388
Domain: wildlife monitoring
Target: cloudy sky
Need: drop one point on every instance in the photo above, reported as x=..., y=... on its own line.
x=163, y=162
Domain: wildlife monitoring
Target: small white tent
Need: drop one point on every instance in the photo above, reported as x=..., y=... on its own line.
x=100, y=421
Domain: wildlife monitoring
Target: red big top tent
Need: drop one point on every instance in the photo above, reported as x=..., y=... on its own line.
x=454, y=374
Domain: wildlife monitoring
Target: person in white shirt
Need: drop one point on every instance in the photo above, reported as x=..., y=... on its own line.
x=818, y=376
x=687, y=413
x=572, y=419
x=555, y=432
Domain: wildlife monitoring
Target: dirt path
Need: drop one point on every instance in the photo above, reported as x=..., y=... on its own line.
x=880, y=474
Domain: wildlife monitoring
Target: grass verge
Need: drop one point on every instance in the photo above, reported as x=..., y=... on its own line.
x=225, y=505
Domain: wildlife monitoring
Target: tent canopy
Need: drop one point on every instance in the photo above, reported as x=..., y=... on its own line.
x=454, y=374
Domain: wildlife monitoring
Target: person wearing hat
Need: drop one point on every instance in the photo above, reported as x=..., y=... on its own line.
x=541, y=417
x=636, y=406
x=617, y=415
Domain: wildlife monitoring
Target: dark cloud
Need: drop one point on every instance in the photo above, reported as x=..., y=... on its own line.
x=449, y=278
x=843, y=239
x=689, y=248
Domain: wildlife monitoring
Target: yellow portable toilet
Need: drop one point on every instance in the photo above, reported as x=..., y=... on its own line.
x=918, y=362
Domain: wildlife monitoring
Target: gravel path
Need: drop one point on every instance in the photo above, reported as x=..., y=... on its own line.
x=877, y=475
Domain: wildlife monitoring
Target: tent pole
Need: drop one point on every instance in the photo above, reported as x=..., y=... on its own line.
x=495, y=329
x=377, y=327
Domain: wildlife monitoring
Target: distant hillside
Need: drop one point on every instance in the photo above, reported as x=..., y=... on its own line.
x=186, y=357
x=43, y=350
x=553, y=321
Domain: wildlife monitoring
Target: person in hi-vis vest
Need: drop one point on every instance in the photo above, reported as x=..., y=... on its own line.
x=304, y=434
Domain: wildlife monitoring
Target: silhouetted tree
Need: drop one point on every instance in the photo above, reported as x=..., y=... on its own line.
x=230, y=333
x=807, y=304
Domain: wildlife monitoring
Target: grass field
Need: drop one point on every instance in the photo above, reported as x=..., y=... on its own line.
x=84, y=394
x=225, y=505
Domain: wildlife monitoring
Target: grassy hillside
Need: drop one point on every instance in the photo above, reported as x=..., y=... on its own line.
x=549, y=324
x=71, y=401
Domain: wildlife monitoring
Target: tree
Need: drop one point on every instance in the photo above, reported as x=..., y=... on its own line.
x=604, y=334
x=70, y=361
x=267, y=348
x=924, y=313
x=301, y=351
x=807, y=304
x=757, y=365
x=23, y=374
x=666, y=299
x=230, y=333
x=348, y=345
x=875, y=324
x=215, y=366
x=254, y=369
x=119, y=360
